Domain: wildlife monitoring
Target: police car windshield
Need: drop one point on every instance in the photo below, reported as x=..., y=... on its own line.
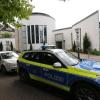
x=68, y=58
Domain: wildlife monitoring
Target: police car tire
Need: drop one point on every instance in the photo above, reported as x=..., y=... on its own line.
x=24, y=76
x=90, y=90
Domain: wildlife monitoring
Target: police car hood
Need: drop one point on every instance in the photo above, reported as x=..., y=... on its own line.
x=89, y=65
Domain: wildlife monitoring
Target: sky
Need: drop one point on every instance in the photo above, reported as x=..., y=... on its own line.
x=66, y=13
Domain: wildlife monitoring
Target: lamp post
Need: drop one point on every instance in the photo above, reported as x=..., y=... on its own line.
x=77, y=30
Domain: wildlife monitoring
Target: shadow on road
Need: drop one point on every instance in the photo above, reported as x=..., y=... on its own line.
x=8, y=74
x=44, y=88
x=29, y=91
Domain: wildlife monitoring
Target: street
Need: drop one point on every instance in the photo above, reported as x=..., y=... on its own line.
x=12, y=89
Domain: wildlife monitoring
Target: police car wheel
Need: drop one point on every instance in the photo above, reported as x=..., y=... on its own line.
x=86, y=92
x=24, y=76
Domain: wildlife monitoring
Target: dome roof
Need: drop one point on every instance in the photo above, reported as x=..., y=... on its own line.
x=43, y=14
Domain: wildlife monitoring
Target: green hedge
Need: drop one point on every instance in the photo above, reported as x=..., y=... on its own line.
x=95, y=52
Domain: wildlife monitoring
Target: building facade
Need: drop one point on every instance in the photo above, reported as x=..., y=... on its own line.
x=36, y=31
x=63, y=38
x=6, y=42
x=7, y=37
x=89, y=25
x=40, y=28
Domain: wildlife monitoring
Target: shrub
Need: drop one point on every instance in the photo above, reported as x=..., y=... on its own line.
x=11, y=46
x=86, y=43
x=7, y=35
x=95, y=52
x=1, y=46
x=74, y=47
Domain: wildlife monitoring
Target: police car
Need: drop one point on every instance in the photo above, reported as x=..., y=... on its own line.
x=62, y=70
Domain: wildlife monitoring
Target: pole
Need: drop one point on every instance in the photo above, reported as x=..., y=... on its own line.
x=78, y=52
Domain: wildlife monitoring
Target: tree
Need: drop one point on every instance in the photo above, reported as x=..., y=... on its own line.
x=74, y=47
x=7, y=35
x=11, y=46
x=86, y=43
x=13, y=10
x=1, y=46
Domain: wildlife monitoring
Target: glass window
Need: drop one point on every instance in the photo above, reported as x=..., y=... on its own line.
x=32, y=32
x=28, y=33
x=27, y=56
x=68, y=58
x=41, y=33
x=37, y=33
x=45, y=34
x=7, y=55
x=8, y=47
x=24, y=29
x=47, y=58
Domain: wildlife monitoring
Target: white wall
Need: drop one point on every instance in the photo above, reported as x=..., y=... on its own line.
x=66, y=36
x=3, y=40
x=90, y=26
x=39, y=20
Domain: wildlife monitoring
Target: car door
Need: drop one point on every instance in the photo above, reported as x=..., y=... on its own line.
x=51, y=73
x=31, y=64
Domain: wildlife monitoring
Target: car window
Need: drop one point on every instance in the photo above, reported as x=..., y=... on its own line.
x=35, y=57
x=48, y=58
x=68, y=58
x=31, y=56
x=7, y=55
x=27, y=56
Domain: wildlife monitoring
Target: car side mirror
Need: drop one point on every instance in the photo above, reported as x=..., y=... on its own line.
x=57, y=65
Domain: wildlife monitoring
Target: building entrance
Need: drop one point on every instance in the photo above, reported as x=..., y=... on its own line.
x=59, y=44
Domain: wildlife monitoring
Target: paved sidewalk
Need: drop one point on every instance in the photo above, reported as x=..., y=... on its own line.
x=86, y=56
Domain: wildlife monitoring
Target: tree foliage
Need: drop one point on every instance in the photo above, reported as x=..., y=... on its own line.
x=7, y=35
x=11, y=46
x=86, y=43
x=10, y=10
x=74, y=46
x=1, y=46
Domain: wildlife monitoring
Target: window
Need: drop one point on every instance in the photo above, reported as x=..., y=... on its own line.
x=24, y=29
x=8, y=47
x=32, y=32
x=47, y=58
x=37, y=33
x=67, y=57
x=7, y=55
x=31, y=56
x=28, y=33
x=45, y=34
x=41, y=33
x=27, y=56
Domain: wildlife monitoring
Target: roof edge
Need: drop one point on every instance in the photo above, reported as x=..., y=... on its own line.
x=43, y=14
x=62, y=29
x=97, y=11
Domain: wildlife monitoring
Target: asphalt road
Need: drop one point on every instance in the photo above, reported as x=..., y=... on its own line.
x=12, y=89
